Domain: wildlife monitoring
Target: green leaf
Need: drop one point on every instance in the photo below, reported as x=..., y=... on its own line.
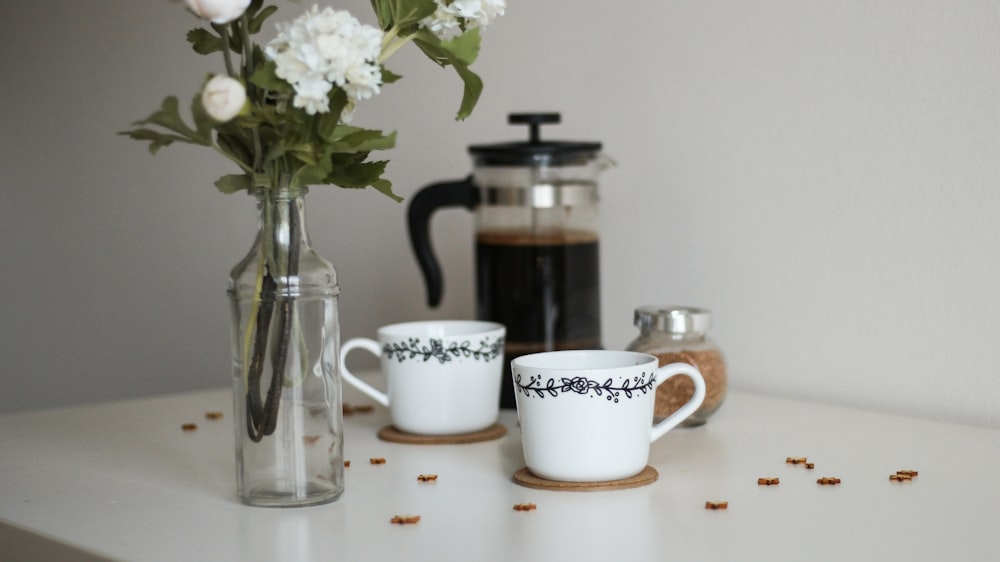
x=257, y=20
x=304, y=153
x=358, y=176
x=383, y=10
x=169, y=117
x=337, y=103
x=436, y=51
x=326, y=124
x=310, y=175
x=470, y=95
x=364, y=140
x=465, y=47
x=204, y=42
x=276, y=150
x=388, y=76
x=234, y=182
x=431, y=46
x=409, y=12
x=266, y=77
x=157, y=140
x=384, y=186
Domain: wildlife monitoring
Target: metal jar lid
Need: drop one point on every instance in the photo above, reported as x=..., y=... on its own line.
x=673, y=319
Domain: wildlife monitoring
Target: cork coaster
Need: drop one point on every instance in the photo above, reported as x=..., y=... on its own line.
x=390, y=433
x=525, y=478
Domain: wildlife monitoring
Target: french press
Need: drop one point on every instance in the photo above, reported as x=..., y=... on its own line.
x=537, y=266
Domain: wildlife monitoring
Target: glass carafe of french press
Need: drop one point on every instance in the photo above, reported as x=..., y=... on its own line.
x=537, y=265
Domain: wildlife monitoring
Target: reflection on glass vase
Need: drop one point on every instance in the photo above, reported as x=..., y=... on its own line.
x=286, y=379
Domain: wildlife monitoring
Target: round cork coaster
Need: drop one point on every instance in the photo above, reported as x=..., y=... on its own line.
x=525, y=478
x=390, y=433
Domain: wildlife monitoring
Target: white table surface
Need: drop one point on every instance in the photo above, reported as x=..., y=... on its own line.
x=121, y=480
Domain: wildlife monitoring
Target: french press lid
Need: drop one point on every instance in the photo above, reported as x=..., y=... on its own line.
x=535, y=152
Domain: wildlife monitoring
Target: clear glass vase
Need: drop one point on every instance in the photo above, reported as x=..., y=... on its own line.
x=286, y=379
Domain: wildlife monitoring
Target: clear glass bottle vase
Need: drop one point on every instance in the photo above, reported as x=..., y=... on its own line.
x=286, y=380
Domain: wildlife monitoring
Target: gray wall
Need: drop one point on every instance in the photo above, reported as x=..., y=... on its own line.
x=823, y=175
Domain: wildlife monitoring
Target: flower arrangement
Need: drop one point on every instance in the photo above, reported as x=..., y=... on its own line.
x=282, y=110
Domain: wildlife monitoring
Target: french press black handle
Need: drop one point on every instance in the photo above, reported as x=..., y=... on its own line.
x=462, y=193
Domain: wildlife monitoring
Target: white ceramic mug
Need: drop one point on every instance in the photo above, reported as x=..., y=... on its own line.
x=587, y=416
x=442, y=377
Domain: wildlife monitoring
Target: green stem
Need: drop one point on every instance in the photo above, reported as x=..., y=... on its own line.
x=248, y=70
x=392, y=43
x=389, y=36
x=226, y=56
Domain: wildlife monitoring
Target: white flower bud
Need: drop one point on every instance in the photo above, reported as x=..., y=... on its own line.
x=218, y=11
x=223, y=98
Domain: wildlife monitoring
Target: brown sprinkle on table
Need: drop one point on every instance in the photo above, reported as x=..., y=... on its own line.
x=347, y=464
x=427, y=478
x=716, y=505
x=405, y=519
x=810, y=465
x=828, y=480
x=900, y=478
x=362, y=409
x=525, y=507
x=213, y=416
x=795, y=460
x=189, y=427
x=910, y=473
x=767, y=481
x=377, y=460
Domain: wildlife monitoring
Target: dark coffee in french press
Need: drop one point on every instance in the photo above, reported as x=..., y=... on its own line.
x=537, y=244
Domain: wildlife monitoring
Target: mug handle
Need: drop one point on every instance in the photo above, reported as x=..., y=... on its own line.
x=372, y=347
x=671, y=421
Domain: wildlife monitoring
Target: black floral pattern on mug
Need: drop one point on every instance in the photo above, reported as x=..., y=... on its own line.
x=582, y=385
x=413, y=349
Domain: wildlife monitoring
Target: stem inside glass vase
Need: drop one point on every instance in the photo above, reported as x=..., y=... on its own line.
x=279, y=256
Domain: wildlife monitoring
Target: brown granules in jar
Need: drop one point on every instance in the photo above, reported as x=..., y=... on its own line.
x=677, y=391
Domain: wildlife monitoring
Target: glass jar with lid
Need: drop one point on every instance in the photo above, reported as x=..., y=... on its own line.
x=679, y=334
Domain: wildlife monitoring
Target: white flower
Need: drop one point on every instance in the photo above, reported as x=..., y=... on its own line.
x=218, y=11
x=451, y=14
x=323, y=48
x=223, y=98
